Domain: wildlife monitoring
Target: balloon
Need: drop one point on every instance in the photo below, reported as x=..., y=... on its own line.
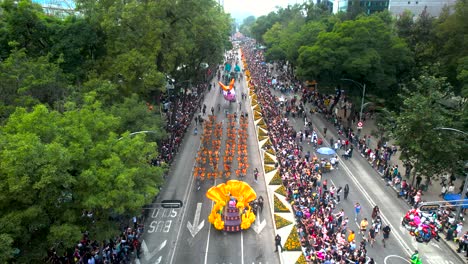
x=230, y=95
x=227, y=87
x=228, y=91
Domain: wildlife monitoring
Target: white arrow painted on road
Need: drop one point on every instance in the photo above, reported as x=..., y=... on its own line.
x=195, y=228
x=259, y=225
x=158, y=260
x=149, y=255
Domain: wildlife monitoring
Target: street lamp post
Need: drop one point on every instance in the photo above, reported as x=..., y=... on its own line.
x=363, y=88
x=465, y=185
x=139, y=132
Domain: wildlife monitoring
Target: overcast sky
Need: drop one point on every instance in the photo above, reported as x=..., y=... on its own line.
x=241, y=9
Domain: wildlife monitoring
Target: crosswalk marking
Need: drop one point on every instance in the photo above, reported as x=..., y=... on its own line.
x=438, y=260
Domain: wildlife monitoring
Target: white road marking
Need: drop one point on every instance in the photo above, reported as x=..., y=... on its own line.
x=209, y=232
x=195, y=228
x=158, y=260
x=372, y=203
x=242, y=247
x=435, y=245
x=395, y=256
x=259, y=225
x=149, y=255
x=437, y=260
x=188, y=191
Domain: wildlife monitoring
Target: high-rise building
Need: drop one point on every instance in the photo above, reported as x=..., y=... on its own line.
x=396, y=7
x=60, y=8
x=369, y=6
x=433, y=7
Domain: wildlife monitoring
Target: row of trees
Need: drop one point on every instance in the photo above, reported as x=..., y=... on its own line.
x=72, y=89
x=415, y=70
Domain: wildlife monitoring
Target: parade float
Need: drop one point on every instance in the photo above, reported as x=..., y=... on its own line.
x=232, y=211
x=229, y=92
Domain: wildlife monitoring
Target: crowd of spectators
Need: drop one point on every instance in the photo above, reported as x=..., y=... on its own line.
x=118, y=249
x=324, y=234
x=179, y=115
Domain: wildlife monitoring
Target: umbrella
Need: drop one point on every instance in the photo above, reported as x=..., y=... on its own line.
x=326, y=151
x=456, y=197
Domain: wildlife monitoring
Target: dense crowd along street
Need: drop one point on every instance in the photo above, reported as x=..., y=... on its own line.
x=150, y=132
x=331, y=224
x=327, y=232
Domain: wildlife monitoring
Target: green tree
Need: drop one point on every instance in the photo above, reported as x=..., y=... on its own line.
x=147, y=40
x=424, y=108
x=451, y=35
x=25, y=24
x=73, y=41
x=422, y=40
x=273, y=41
x=65, y=173
x=6, y=250
x=135, y=116
x=79, y=44
x=35, y=78
x=245, y=27
x=365, y=49
x=285, y=37
x=355, y=8
x=262, y=25
x=316, y=12
x=404, y=25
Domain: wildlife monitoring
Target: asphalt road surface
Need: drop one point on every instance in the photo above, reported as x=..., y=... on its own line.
x=184, y=235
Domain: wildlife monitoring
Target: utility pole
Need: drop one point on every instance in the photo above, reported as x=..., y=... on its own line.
x=363, y=88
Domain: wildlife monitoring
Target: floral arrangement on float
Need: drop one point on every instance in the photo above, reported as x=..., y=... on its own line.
x=231, y=195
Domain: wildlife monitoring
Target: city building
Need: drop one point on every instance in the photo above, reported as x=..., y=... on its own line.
x=59, y=8
x=396, y=7
x=369, y=6
x=433, y=7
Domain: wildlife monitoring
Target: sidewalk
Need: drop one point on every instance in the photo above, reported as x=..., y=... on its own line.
x=433, y=191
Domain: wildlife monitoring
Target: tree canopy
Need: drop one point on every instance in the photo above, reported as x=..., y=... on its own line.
x=419, y=127
x=364, y=49
x=63, y=173
x=382, y=51
x=412, y=65
x=73, y=89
